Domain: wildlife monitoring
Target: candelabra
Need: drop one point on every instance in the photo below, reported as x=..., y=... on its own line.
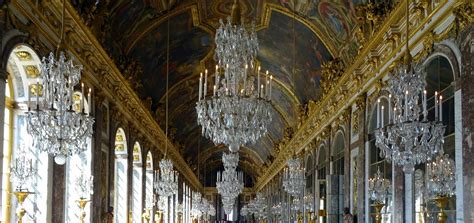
x=276, y=211
x=378, y=191
x=85, y=182
x=56, y=126
x=239, y=110
x=441, y=182
x=22, y=169
x=294, y=177
x=21, y=172
x=166, y=180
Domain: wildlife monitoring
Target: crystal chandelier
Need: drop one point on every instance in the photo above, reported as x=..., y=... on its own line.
x=408, y=139
x=379, y=188
x=56, y=127
x=441, y=177
x=22, y=169
x=238, y=112
x=230, y=182
x=166, y=183
x=294, y=179
x=257, y=207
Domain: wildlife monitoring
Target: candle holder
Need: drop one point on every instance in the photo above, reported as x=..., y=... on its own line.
x=310, y=216
x=159, y=216
x=21, y=197
x=299, y=217
x=82, y=202
x=378, y=209
x=146, y=215
x=441, y=202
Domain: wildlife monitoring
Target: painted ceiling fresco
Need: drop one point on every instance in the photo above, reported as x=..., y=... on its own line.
x=134, y=32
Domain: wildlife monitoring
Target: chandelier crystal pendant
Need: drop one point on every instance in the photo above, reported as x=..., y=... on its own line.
x=166, y=183
x=22, y=169
x=409, y=138
x=294, y=179
x=238, y=112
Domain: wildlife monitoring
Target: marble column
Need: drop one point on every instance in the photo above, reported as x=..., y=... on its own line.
x=333, y=195
x=99, y=170
x=360, y=161
x=58, y=192
x=467, y=100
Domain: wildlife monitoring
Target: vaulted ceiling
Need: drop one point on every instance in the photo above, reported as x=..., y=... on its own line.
x=134, y=34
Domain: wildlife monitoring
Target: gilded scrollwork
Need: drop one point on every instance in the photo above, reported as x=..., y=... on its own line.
x=332, y=70
x=464, y=12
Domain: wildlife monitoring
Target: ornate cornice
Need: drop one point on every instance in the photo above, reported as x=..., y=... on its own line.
x=99, y=71
x=371, y=65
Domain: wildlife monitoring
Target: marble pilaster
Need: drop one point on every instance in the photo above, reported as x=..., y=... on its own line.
x=467, y=83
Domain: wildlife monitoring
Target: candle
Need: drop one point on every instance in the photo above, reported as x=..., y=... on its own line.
x=37, y=95
x=217, y=76
x=378, y=113
x=440, y=108
x=394, y=114
x=89, y=102
x=200, y=86
x=382, y=117
x=436, y=105
x=425, y=113
x=245, y=76
x=406, y=105
x=271, y=79
x=261, y=91
x=29, y=99
x=389, y=108
x=266, y=83
x=267, y=92
x=258, y=81
x=82, y=97
x=205, y=83
x=215, y=88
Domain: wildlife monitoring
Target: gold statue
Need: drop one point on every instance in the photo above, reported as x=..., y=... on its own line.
x=82, y=204
x=21, y=197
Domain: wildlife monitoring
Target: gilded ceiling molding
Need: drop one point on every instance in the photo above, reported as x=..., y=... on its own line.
x=437, y=19
x=88, y=51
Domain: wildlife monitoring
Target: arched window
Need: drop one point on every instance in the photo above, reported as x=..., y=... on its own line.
x=439, y=78
x=376, y=162
x=338, y=154
x=137, y=194
x=24, y=80
x=76, y=165
x=149, y=182
x=322, y=165
x=121, y=178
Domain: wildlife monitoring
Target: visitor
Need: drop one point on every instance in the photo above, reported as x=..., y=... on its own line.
x=347, y=216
